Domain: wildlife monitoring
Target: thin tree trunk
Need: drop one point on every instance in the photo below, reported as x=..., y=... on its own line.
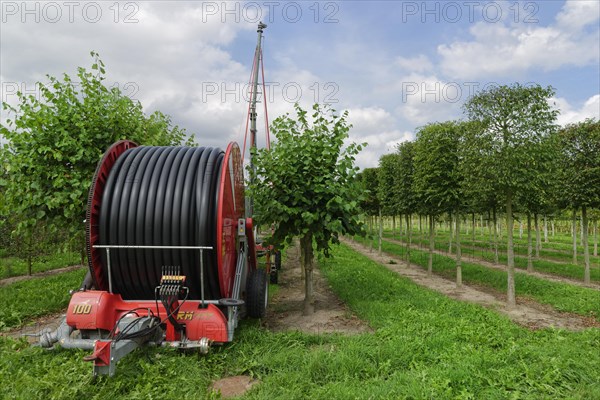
x=538, y=240
x=400, y=227
x=520, y=229
x=529, y=246
x=451, y=225
x=574, y=231
x=490, y=234
x=496, y=260
x=545, y=229
x=420, y=230
x=474, y=227
x=596, y=238
x=458, y=253
x=552, y=223
x=511, y=299
x=393, y=226
x=380, y=232
x=307, y=251
x=586, y=249
x=409, y=237
x=481, y=227
x=431, y=244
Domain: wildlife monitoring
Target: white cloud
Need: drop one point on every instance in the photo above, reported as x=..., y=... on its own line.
x=500, y=50
x=427, y=98
x=420, y=63
x=569, y=114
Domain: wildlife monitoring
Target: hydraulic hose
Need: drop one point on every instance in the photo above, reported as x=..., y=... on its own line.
x=161, y=196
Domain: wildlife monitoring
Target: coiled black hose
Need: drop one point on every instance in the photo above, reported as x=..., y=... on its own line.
x=163, y=196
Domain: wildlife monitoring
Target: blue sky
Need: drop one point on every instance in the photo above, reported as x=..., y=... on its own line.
x=395, y=65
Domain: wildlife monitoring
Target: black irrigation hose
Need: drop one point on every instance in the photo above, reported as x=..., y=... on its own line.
x=161, y=196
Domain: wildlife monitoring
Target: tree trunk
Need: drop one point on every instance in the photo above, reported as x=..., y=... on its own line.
x=451, y=225
x=481, y=227
x=400, y=227
x=420, y=230
x=431, y=244
x=408, y=238
x=511, y=299
x=520, y=229
x=545, y=229
x=586, y=249
x=496, y=260
x=393, y=226
x=380, y=232
x=538, y=240
x=307, y=250
x=529, y=246
x=474, y=227
x=490, y=234
x=552, y=223
x=596, y=238
x=574, y=231
x=458, y=253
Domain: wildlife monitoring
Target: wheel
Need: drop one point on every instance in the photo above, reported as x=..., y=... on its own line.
x=277, y=260
x=274, y=276
x=257, y=293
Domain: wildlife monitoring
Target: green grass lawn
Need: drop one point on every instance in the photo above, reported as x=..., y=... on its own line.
x=425, y=346
x=24, y=300
x=14, y=266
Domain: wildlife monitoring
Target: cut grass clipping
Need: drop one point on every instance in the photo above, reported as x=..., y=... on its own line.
x=425, y=346
x=561, y=296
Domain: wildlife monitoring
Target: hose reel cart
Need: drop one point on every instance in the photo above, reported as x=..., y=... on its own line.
x=171, y=256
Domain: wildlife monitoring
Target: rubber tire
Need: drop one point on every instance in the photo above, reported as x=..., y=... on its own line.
x=257, y=293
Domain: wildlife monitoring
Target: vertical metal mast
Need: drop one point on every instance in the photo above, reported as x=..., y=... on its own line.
x=254, y=90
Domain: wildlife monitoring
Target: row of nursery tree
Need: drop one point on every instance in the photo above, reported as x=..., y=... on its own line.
x=507, y=157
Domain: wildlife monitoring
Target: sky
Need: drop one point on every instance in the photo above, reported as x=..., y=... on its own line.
x=393, y=65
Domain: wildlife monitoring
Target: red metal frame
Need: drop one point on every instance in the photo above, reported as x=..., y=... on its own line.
x=95, y=309
x=230, y=208
x=93, y=211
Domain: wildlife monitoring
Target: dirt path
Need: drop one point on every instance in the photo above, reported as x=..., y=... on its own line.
x=29, y=330
x=285, y=309
x=527, y=313
x=487, y=264
x=13, y=279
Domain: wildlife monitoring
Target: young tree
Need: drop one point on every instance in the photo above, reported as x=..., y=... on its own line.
x=407, y=201
x=388, y=170
x=438, y=179
x=306, y=184
x=371, y=205
x=514, y=120
x=580, y=166
x=55, y=142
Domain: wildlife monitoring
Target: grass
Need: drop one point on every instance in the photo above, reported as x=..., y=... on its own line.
x=425, y=346
x=14, y=266
x=561, y=296
x=24, y=300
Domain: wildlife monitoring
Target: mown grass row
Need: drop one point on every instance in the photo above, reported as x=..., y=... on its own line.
x=424, y=346
x=24, y=300
x=561, y=296
x=15, y=266
x=561, y=269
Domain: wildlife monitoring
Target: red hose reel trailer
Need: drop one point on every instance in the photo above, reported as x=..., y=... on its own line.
x=172, y=258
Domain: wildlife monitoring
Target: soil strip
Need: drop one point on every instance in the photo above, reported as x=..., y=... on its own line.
x=285, y=309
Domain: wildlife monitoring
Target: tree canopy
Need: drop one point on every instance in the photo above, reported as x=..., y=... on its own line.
x=56, y=140
x=306, y=184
